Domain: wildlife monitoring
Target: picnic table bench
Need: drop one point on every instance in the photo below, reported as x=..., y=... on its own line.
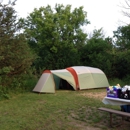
x=112, y=111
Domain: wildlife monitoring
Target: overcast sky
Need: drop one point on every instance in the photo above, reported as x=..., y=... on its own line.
x=104, y=14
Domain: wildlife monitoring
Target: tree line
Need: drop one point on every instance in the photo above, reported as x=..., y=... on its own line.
x=53, y=38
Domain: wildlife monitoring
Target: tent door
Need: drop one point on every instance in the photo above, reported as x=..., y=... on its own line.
x=65, y=85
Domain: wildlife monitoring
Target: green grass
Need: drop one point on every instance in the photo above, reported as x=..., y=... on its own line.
x=64, y=110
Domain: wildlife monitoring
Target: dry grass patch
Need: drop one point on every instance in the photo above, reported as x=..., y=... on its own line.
x=94, y=94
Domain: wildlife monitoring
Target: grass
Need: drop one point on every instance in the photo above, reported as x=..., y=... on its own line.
x=64, y=110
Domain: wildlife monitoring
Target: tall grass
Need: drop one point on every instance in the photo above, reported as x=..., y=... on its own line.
x=23, y=85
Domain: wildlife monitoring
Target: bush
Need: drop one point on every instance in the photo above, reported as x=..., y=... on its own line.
x=116, y=81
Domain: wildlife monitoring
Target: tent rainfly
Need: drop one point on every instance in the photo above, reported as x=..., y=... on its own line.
x=78, y=77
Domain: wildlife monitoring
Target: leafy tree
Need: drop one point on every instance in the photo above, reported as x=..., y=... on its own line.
x=122, y=37
x=55, y=35
x=97, y=34
x=122, y=62
x=15, y=55
x=122, y=55
x=97, y=53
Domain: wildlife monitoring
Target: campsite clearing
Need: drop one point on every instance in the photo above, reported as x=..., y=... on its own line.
x=64, y=110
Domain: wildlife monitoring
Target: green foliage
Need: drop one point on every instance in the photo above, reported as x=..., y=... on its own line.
x=122, y=37
x=15, y=54
x=115, y=81
x=28, y=83
x=126, y=79
x=121, y=59
x=97, y=53
x=55, y=35
x=97, y=34
x=4, y=93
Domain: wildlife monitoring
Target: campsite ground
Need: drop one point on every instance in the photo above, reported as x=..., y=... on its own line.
x=64, y=110
x=100, y=95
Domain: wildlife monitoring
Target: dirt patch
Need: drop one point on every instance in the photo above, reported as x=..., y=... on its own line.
x=80, y=125
x=98, y=95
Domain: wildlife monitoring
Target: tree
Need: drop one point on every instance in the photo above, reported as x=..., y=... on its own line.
x=126, y=8
x=122, y=47
x=55, y=35
x=122, y=37
x=97, y=34
x=122, y=62
x=15, y=55
x=97, y=52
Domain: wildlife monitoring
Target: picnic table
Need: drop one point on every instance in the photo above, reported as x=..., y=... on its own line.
x=115, y=101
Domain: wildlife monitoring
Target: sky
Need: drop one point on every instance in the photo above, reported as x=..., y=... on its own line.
x=104, y=14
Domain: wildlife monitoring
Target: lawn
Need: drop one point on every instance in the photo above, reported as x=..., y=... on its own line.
x=64, y=110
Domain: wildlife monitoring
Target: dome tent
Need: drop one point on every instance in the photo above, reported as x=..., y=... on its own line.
x=79, y=77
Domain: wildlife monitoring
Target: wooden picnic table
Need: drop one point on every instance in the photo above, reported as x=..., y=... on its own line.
x=115, y=101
